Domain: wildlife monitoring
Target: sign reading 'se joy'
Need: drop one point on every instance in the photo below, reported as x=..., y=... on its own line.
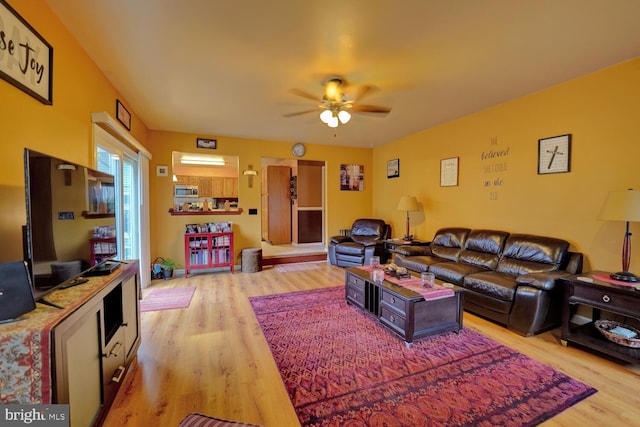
x=26, y=59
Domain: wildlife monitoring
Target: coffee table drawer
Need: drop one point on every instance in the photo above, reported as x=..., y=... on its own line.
x=393, y=320
x=356, y=282
x=395, y=301
x=355, y=295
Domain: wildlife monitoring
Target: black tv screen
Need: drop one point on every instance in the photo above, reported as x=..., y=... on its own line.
x=67, y=206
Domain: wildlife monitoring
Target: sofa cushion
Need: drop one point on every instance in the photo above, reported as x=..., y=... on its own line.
x=412, y=250
x=454, y=272
x=496, y=285
x=525, y=253
x=417, y=263
x=368, y=227
x=448, y=242
x=483, y=248
x=365, y=240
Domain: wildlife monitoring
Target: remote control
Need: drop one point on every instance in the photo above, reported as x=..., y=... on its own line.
x=585, y=279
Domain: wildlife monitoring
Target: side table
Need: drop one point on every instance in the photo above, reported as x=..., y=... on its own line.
x=605, y=300
x=390, y=245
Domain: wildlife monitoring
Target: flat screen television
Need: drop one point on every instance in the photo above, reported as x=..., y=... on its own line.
x=67, y=204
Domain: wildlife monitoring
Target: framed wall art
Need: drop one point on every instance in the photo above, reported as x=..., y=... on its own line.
x=206, y=143
x=352, y=177
x=393, y=168
x=162, y=170
x=554, y=154
x=449, y=172
x=123, y=115
x=36, y=79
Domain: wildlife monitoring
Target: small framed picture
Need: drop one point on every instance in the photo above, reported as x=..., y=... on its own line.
x=449, y=172
x=393, y=168
x=162, y=170
x=554, y=154
x=123, y=115
x=206, y=143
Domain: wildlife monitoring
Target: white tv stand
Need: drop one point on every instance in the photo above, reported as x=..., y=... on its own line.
x=79, y=354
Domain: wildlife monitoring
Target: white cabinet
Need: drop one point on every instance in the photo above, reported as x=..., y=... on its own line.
x=131, y=316
x=78, y=371
x=93, y=347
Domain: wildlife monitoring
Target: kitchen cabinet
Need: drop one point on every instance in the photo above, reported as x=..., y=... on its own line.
x=205, y=186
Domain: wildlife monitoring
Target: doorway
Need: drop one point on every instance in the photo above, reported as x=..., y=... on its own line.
x=293, y=207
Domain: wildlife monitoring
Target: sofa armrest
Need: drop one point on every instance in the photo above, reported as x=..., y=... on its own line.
x=339, y=239
x=408, y=250
x=542, y=281
x=574, y=262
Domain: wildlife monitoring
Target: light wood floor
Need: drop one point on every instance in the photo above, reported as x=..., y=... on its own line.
x=212, y=358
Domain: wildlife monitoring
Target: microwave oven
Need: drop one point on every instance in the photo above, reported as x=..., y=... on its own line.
x=186, y=191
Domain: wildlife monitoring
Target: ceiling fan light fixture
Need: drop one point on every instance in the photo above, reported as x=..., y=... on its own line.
x=325, y=116
x=333, y=122
x=333, y=90
x=344, y=116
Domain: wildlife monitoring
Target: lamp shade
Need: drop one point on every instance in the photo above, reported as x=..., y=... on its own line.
x=408, y=203
x=623, y=205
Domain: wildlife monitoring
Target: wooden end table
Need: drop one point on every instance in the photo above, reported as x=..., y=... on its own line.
x=390, y=245
x=604, y=299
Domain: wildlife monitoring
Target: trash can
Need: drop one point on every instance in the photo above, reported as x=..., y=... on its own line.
x=251, y=260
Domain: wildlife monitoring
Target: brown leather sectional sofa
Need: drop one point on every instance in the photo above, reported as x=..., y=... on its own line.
x=508, y=278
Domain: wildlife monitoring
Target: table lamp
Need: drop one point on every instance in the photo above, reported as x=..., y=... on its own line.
x=623, y=206
x=408, y=203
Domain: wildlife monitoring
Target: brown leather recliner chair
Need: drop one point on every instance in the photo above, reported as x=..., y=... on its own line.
x=365, y=240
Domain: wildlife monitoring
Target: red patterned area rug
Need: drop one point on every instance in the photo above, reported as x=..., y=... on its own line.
x=342, y=368
x=167, y=299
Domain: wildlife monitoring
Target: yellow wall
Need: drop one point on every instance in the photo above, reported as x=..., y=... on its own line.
x=167, y=231
x=600, y=110
x=62, y=129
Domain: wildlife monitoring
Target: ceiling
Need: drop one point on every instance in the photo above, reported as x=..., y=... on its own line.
x=226, y=68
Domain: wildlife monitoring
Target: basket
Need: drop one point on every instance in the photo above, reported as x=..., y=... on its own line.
x=605, y=326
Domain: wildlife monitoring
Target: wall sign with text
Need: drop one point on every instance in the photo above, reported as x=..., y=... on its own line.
x=495, y=165
x=26, y=59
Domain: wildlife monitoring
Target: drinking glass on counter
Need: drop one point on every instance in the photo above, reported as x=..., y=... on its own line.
x=378, y=275
x=375, y=262
x=428, y=279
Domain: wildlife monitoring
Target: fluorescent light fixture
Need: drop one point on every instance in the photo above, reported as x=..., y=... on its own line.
x=207, y=161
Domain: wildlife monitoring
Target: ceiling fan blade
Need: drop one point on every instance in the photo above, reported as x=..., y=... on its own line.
x=305, y=95
x=361, y=92
x=299, y=113
x=361, y=108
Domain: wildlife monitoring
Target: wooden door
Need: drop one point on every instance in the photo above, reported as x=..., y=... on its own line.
x=276, y=205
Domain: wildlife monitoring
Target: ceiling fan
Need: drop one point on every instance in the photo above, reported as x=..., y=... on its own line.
x=335, y=106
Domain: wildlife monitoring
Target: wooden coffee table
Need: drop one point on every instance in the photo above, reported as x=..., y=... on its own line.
x=403, y=311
